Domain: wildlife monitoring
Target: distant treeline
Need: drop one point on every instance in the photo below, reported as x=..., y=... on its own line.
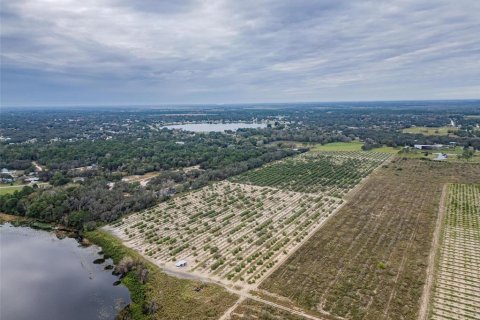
x=96, y=200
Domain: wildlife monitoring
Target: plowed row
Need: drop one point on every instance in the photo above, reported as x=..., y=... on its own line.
x=369, y=261
x=316, y=172
x=457, y=282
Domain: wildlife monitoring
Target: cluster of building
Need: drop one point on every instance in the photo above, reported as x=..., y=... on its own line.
x=10, y=176
x=435, y=146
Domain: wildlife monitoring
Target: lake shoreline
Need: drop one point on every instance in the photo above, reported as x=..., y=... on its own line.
x=51, y=257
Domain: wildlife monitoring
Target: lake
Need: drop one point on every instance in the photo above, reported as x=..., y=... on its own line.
x=46, y=278
x=215, y=127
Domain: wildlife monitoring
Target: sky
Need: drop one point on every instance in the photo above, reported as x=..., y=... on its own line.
x=154, y=52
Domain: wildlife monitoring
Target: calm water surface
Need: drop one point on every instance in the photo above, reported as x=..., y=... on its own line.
x=215, y=127
x=45, y=278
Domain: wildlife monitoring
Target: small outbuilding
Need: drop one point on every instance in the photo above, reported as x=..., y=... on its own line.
x=428, y=146
x=441, y=156
x=181, y=263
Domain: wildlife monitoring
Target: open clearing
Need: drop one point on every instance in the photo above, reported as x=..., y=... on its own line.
x=386, y=149
x=339, y=146
x=431, y=131
x=10, y=189
x=369, y=260
x=235, y=232
x=7, y=189
x=457, y=281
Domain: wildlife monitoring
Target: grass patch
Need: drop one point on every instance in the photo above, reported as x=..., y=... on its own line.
x=9, y=189
x=15, y=220
x=386, y=149
x=430, y=131
x=174, y=297
x=339, y=146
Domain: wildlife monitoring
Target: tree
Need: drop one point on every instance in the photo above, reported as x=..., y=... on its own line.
x=467, y=153
x=59, y=179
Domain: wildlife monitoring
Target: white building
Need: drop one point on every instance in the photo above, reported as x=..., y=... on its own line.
x=441, y=156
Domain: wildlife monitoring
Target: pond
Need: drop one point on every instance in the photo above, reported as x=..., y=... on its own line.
x=44, y=277
x=215, y=127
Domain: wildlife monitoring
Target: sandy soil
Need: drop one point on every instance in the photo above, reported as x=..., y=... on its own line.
x=427, y=289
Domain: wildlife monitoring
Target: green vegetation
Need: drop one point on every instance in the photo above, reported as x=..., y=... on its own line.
x=174, y=298
x=77, y=206
x=6, y=189
x=315, y=171
x=114, y=249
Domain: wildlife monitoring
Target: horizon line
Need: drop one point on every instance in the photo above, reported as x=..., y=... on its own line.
x=228, y=103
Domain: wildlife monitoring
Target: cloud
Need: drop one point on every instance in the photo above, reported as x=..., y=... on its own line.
x=102, y=51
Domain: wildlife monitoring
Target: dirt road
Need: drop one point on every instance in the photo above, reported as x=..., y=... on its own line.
x=38, y=168
x=427, y=289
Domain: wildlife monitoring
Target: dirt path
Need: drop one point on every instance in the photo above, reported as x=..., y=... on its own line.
x=227, y=313
x=278, y=306
x=244, y=295
x=37, y=166
x=427, y=288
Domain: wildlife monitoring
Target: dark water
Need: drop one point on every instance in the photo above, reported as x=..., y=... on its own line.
x=45, y=278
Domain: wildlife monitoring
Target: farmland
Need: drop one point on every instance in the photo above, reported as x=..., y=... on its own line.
x=457, y=281
x=334, y=172
x=339, y=146
x=236, y=231
x=373, y=253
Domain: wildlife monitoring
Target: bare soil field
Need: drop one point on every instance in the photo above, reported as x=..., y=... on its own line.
x=457, y=280
x=369, y=261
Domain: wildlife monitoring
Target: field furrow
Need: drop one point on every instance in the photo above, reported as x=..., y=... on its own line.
x=457, y=292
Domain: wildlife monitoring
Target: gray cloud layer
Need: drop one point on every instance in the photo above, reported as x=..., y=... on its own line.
x=127, y=51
